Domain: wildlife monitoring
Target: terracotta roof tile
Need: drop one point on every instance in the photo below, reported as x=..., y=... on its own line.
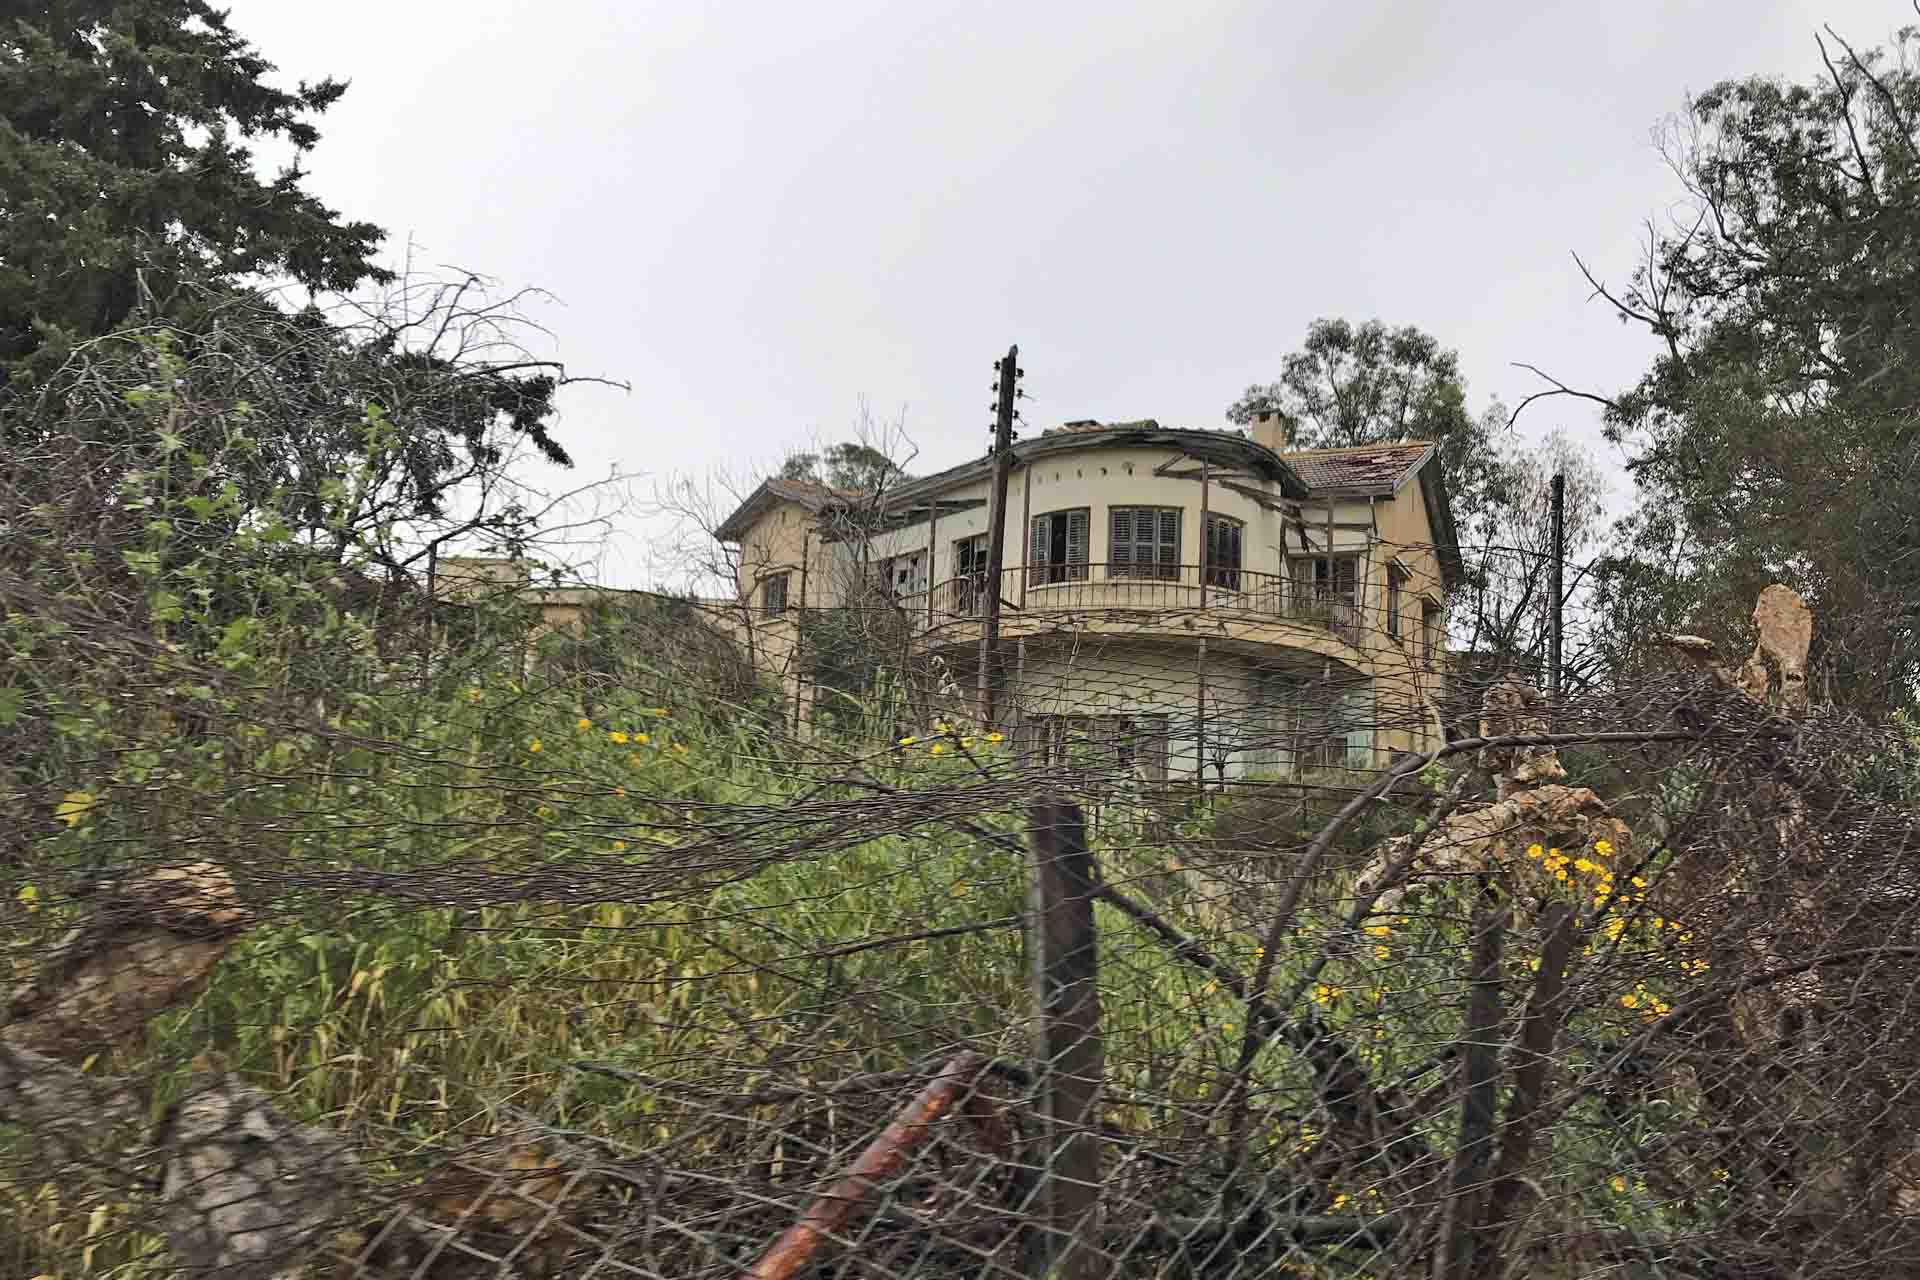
x=1374, y=468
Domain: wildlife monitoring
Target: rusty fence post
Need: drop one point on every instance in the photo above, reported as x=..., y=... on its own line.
x=1068, y=1056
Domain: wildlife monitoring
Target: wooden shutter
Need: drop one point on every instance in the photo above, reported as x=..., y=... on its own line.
x=1120, y=542
x=1037, y=550
x=1168, y=547
x=1077, y=543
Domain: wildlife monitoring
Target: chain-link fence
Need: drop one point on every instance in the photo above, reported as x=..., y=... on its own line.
x=363, y=930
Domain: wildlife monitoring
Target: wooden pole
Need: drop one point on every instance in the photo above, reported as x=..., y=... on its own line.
x=1205, y=486
x=933, y=550
x=1009, y=371
x=1200, y=712
x=1068, y=1055
x=1556, y=587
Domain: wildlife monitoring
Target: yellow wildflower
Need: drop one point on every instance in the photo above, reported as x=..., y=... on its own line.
x=996, y=737
x=620, y=791
x=473, y=695
x=633, y=758
x=73, y=807
x=642, y=739
x=966, y=742
x=680, y=747
x=1603, y=847
x=534, y=746
x=1381, y=953
x=937, y=749
x=1619, y=1184
x=907, y=741
x=28, y=897
x=1630, y=1000
x=1639, y=882
x=960, y=888
x=1227, y=1027
x=1380, y=930
x=619, y=846
x=617, y=737
x=1535, y=851
x=659, y=711
x=583, y=723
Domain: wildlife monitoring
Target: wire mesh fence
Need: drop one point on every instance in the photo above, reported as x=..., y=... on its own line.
x=1221, y=929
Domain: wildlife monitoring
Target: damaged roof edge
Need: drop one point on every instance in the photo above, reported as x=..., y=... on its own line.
x=1215, y=446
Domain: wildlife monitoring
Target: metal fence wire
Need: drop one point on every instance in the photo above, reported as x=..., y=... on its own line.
x=398, y=939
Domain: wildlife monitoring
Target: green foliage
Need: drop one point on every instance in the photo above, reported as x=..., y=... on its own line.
x=1772, y=437
x=1367, y=384
x=849, y=465
x=120, y=128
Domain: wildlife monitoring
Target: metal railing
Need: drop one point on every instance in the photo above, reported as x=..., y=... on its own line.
x=1137, y=588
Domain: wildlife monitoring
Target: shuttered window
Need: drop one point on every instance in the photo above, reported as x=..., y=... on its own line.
x=1143, y=542
x=1224, y=538
x=773, y=595
x=1057, y=547
x=970, y=574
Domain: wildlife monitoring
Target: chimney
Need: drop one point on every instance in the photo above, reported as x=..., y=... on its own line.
x=1271, y=428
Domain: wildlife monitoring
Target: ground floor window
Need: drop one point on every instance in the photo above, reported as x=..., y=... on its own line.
x=1127, y=744
x=1307, y=725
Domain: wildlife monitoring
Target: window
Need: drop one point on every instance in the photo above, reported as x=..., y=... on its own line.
x=1431, y=619
x=1144, y=542
x=1335, y=728
x=970, y=574
x=773, y=595
x=1328, y=578
x=1224, y=537
x=1130, y=744
x=1057, y=547
x=1396, y=580
x=907, y=575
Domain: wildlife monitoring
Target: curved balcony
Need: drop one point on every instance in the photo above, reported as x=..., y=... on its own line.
x=1177, y=600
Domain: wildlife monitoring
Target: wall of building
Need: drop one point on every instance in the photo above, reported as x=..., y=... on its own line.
x=1379, y=531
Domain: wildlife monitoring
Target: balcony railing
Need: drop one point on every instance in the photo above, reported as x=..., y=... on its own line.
x=1137, y=588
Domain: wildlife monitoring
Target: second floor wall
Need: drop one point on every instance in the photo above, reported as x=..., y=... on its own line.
x=1082, y=519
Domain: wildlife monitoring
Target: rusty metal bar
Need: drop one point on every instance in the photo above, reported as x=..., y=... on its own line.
x=883, y=1156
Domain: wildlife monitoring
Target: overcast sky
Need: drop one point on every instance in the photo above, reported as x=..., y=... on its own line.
x=758, y=214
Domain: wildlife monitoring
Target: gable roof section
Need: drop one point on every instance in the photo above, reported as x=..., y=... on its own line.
x=771, y=493
x=1372, y=470
x=1381, y=471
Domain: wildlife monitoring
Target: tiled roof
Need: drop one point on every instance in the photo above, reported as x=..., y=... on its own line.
x=810, y=494
x=1088, y=424
x=1366, y=469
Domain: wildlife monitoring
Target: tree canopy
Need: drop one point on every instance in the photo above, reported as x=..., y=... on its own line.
x=850, y=464
x=1773, y=436
x=1358, y=384
x=122, y=128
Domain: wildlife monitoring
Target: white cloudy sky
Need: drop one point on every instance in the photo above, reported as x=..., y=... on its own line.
x=759, y=213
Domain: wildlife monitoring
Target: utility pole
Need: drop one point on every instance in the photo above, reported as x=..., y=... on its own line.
x=1555, y=588
x=1007, y=385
